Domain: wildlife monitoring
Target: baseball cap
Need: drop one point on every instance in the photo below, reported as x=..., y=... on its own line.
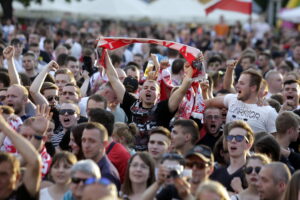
x=203, y=152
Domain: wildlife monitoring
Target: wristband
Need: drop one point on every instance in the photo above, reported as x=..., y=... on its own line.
x=38, y=137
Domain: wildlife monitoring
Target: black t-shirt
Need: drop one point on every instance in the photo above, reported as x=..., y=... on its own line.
x=209, y=140
x=145, y=118
x=221, y=175
x=21, y=194
x=168, y=193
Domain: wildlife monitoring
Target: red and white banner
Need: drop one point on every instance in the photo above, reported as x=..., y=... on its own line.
x=241, y=6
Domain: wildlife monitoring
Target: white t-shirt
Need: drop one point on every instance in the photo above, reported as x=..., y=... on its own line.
x=260, y=118
x=45, y=195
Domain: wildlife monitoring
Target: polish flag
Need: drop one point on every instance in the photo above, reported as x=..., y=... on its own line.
x=241, y=6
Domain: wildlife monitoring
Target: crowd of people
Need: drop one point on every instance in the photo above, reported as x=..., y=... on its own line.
x=74, y=128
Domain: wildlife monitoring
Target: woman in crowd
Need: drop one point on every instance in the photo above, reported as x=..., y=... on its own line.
x=139, y=176
x=253, y=167
x=75, y=140
x=293, y=188
x=124, y=134
x=60, y=174
x=209, y=190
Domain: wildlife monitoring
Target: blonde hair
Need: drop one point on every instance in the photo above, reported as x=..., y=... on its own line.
x=214, y=187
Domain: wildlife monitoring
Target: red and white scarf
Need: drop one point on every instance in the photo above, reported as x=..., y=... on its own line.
x=193, y=99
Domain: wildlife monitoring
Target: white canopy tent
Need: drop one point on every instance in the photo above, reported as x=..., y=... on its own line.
x=291, y=15
x=111, y=9
x=191, y=11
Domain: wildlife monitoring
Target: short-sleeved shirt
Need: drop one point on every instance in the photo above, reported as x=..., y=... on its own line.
x=260, y=118
x=145, y=118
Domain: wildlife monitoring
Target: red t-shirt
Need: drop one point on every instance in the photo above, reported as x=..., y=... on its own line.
x=119, y=157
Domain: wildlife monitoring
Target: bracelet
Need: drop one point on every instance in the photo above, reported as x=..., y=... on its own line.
x=38, y=137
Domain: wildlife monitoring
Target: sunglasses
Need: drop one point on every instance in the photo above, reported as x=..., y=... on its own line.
x=249, y=170
x=78, y=180
x=50, y=98
x=199, y=165
x=102, y=181
x=68, y=111
x=237, y=138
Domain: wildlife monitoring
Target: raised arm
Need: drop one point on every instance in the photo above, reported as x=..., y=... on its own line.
x=32, y=175
x=229, y=75
x=8, y=53
x=113, y=78
x=85, y=84
x=36, y=86
x=215, y=102
x=178, y=95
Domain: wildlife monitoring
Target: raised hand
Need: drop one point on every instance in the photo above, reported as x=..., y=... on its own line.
x=52, y=66
x=231, y=64
x=85, y=75
x=41, y=120
x=8, y=52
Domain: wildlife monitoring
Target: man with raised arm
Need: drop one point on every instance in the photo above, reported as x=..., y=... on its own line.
x=10, y=165
x=147, y=112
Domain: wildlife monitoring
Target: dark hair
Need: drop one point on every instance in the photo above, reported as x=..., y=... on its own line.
x=190, y=127
x=269, y=146
x=4, y=78
x=115, y=59
x=48, y=86
x=48, y=41
x=286, y=120
x=70, y=58
x=100, y=128
x=98, y=98
x=77, y=131
x=274, y=104
x=289, y=82
x=62, y=59
x=15, y=41
x=160, y=130
x=146, y=158
x=177, y=66
x=107, y=119
x=63, y=156
x=214, y=59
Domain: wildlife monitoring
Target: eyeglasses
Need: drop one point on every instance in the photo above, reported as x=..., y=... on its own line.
x=78, y=180
x=210, y=117
x=2, y=97
x=102, y=181
x=237, y=138
x=249, y=170
x=199, y=165
x=50, y=98
x=136, y=165
x=68, y=111
x=69, y=93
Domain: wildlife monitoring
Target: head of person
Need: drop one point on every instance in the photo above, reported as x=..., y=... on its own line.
x=253, y=166
x=213, y=120
x=211, y=190
x=4, y=80
x=29, y=61
x=293, y=187
x=239, y=139
x=296, y=51
x=75, y=140
x=108, y=93
x=269, y=146
x=274, y=80
x=273, y=180
x=18, y=46
x=220, y=152
x=177, y=67
x=200, y=160
x=50, y=92
x=70, y=92
x=214, y=64
x=131, y=84
x=10, y=174
x=263, y=59
x=138, y=59
x=149, y=94
x=99, y=189
x=291, y=92
x=96, y=101
x=17, y=97
x=80, y=172
x=248, y=84
x=34, y=47
x=2, y=95
x=132, y=71
x=159, y=142
x=69, y=114
x=60, y=167
x=140, y=170
x=73, y=65
x=62, y=77
x=107, y=119
x=247, y=61
x=185, y=131
x=287, y=125
x=94, y=140
x=49, y=45
x=125, y=134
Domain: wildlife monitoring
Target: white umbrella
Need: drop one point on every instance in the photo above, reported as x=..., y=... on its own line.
x=292, y=15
